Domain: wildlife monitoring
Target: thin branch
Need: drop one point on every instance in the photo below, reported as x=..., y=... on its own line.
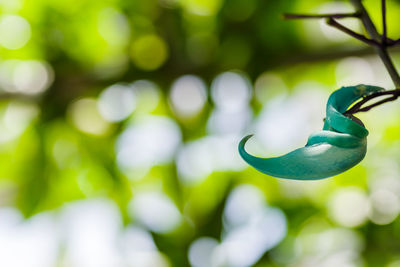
x=393, y=42
x=379, y=42
x=321, y=16
x=362, y=38
x=358, y=106
x=381, y=50
x=384, y=34
x=7, y=96
x=367, y=108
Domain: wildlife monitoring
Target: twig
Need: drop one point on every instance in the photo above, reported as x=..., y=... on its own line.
x=393, y=42
x=381, y=50
x=362, y=38
x=358, y=106
x=392, y=98
x=384, y=34
x=7, y=96
x=379, y=42
x=321, y=16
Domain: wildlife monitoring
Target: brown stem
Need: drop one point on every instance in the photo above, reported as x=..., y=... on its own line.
x=7, y=96
x=358, y=106
x=394, y=42
x=362, y=38
x=381, y=50
x=321, y=16
x=392, y=98
x=379, y=42
x=384, y=33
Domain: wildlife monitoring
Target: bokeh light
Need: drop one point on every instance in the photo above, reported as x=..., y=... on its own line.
x=32, y=77
x=15, y=31
x=116, y=102
x=202, y=7
x=198, y=159
x=25, y=76
x=28, y=243
x=231, y=91
x=349, y=207
x=113, y=26
x=247, y=238
x=140, y=249
x=291, y=120
x=147, y=142
x=194, y=162
x=331, y=33
x=269, y=86
x=321, y=245
x=155, y=211
x=15, y=118
x=85, y=116
x=226, y=122
x=149, y=52
x=188, y=96
x=354, y=71
x=91, y=229
x=201, y=252
x=148, y=96
x=385, y=207
x=237, y=211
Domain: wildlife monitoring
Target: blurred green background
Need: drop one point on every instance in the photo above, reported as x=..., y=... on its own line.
x=119, y=125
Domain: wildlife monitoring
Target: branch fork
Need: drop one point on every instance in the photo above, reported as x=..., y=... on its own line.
x=380, y=42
